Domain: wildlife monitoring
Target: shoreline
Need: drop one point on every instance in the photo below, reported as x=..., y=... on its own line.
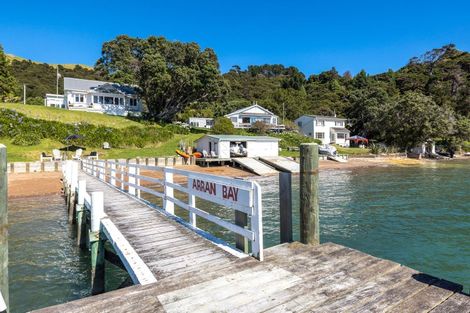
x=22, y=185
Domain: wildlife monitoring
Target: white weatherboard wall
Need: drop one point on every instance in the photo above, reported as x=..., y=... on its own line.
x=262, y=148
x=310, y=126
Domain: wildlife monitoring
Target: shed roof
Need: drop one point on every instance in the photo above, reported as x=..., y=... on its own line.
x=241, y=138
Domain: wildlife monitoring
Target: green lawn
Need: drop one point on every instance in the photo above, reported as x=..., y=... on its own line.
x=31, y=153
x=66, y=116
x=341, y=150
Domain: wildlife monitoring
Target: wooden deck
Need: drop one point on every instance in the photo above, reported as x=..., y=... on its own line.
x=195, y=275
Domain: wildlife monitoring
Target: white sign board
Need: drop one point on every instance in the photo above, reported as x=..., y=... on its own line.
x=226, y=194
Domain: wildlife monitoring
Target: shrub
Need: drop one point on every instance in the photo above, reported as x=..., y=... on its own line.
x=293, y=139
x=259, y=128
x=223, y=125
x=26, y=139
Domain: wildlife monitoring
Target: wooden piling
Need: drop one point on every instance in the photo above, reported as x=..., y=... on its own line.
x=309, y=209
x=285, y=206
x=3, y=227
x=81, y=217
x=97, y=244
x=73, y=184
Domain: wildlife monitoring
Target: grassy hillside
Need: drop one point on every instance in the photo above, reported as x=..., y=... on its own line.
x=70, y=117
x=11, y=57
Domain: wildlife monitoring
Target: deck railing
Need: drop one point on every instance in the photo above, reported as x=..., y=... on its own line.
x=241, y=196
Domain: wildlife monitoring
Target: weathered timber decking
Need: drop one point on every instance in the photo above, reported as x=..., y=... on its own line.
x=194, y=275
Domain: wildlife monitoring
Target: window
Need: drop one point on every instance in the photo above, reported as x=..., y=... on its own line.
x=95, y=99
x=116, y=101
x=299, y=123
x=339, y=123
x=121, y=101
x=108, y=100
x=320, y=123
x=132, y=102
x=340, y=135
x=233, y=119
x=79, y=98
x=101, y=101
x=320, y=135
x=246, y=120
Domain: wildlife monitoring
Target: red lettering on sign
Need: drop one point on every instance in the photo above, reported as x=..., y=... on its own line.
x=203, y=186
x=230, y=193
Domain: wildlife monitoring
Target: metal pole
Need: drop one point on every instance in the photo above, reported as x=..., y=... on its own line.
x=3, y=227
x=309, y=209
x=285, y=206
x=57, y=81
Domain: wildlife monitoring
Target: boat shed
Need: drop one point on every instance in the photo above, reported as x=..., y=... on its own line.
x=227, y=146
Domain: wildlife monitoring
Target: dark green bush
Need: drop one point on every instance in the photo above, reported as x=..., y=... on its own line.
x=293, y=139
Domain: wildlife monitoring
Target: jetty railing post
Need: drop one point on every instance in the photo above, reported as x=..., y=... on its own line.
x=168, y=205
x=192, y=203
x=97, y=243
x=285, y=206
x=309, y=207
x=132, y=171
x=102, y=171
x=3, y=229
x=137, y=171
x=112, y=170
x=257, y=223
x=81, y=218
x=73, y=187
x=123, y=176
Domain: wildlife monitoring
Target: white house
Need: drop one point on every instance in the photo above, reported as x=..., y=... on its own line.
x=226, y=146
x=97, y=96
x=201, y=122
x=246, y=117
x=329, y=129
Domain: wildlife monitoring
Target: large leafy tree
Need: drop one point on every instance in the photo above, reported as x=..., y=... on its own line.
x=171, y=75
x=8, y=83
x=416, y=118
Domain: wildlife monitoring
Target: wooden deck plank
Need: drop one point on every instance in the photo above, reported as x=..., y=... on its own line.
x=458, y=303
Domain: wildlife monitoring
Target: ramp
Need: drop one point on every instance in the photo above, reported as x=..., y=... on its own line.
x=337, y=159
x=255, y=166
x=282, y=163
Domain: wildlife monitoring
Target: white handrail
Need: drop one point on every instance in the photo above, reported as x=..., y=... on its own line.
x=238, y=195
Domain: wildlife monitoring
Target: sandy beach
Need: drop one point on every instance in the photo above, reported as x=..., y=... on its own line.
x=46, y=183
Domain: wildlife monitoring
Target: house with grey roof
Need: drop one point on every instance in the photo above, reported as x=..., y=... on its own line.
x=328, y=129
x=246, y=117
x=227, y=146
x=97, y=96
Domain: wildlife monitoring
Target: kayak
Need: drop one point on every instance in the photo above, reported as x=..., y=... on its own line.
x=182, y=154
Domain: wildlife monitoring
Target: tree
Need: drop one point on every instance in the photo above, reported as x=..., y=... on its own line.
x=416, y=118
x=171, y=75
x=8, y=83
x=224, y=126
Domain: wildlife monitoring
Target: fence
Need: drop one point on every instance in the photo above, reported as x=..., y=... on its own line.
x=243, y=197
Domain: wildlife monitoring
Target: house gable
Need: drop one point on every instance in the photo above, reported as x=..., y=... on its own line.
x=254, y=109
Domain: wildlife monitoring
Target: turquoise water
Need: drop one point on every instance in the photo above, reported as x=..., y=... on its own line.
x=45, y=265
x=417, y=216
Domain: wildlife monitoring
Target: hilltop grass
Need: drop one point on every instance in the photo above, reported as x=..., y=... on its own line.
x=11, y=57
x=70, y=117
x=31, y=153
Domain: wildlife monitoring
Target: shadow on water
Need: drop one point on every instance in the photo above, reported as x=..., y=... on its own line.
x=45, y=265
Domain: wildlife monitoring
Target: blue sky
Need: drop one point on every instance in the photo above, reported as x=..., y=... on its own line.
x=312, y=35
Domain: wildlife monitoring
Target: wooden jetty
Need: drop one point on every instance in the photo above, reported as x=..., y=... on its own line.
x=176, y=267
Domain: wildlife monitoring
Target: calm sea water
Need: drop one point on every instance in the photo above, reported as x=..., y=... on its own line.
x=417, y=216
